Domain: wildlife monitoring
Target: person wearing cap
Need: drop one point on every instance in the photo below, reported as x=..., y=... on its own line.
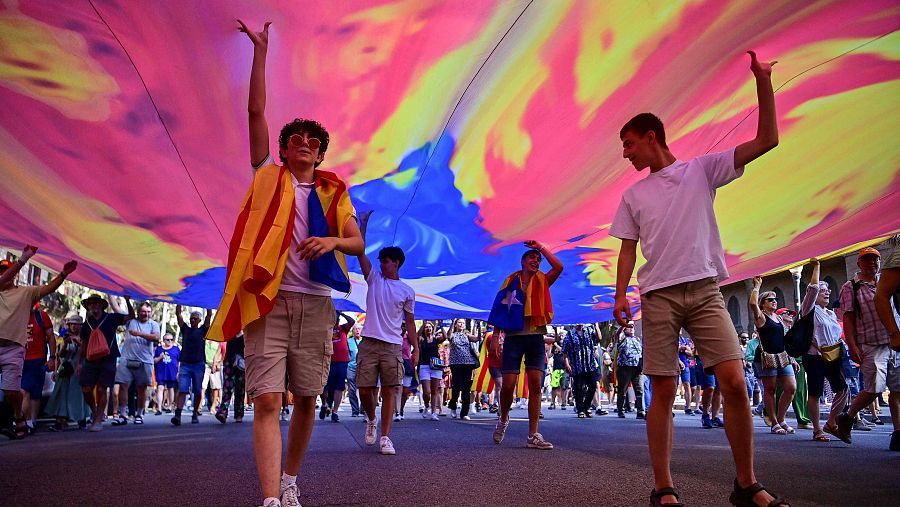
x=100, y=372
x=771, y=363
x=193, y=363
x=823, y=359
x=67, y=401
x=869, y=342
x=16, y=303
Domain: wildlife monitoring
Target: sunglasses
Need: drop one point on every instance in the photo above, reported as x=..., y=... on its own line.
x=299, y=140
x=770, y=300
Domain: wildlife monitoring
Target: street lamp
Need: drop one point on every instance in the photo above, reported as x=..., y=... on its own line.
x=795, y=274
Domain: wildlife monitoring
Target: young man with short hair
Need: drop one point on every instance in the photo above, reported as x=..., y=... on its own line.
x=525, y=295
x=283, y=264
x=389, y=303
x=671, y=213
x=16, y=303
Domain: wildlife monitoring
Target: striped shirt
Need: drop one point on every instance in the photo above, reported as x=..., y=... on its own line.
x=579, y=347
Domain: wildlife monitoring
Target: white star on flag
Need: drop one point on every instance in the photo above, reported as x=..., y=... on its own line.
x=510, y=300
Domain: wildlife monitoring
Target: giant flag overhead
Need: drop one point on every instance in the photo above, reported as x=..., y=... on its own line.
x=468, y=126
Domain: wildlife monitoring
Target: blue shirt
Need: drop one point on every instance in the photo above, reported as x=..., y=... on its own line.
x=630, y=351
x=354, y=347
x=193, y=344
x=167, y=369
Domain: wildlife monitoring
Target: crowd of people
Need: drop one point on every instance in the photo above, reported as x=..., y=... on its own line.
x=301, y=352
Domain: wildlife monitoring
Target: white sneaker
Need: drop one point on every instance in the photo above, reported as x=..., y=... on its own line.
x=371, y=427
x=466, y=418
x=396, y=417
x=435, y=417
x=386, y=447
x=537, y=441
x=426, y=414
x=453, y=414
x=289, y=497
x=401, y=417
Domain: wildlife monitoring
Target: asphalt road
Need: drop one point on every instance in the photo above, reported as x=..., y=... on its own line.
x=603, y=461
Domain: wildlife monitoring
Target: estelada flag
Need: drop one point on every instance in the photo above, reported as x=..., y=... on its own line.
x=508, y=310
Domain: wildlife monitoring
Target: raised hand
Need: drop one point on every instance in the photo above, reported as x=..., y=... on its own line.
x=28, y=252
x=757, y=281
x=259, y=39
x=622, y=311
x=537, y=245
x=69, y=267
x=760, y=69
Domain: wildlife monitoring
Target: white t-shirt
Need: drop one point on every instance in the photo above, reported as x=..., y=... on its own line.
x=386, y=300
x=670, y=212
x=296, y=270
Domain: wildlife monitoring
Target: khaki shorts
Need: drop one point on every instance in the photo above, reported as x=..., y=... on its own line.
x=880, y=368
x=12, y=359
x=696, y=306
x=291, y=344
x=379, y=358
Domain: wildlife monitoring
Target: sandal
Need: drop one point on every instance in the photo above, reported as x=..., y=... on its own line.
x=119, y=420
x=138, y=419
x=743, y=497
x=787, y=428
x=655, y=497
x=776, y=429
x=820, y=436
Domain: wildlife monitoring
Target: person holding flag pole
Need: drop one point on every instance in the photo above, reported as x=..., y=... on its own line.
x=522, y=309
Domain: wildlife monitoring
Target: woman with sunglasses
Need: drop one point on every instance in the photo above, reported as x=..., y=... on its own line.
x=165, y=361
x=823, y=360
x=463, y=361
x=771, y=363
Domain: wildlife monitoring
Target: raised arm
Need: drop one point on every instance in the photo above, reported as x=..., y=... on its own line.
x=556, y=267
x=753, y=303
x=256, y=105
x=812, y=291
x=347, y=326
x=13, y=271
x=767, y=124
x=57, y=280
x=208, y=318
x=624, y=270
x=364, y=263
x=180, y=318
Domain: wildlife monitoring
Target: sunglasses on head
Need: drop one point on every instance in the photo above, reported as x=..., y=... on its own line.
x=301, y=139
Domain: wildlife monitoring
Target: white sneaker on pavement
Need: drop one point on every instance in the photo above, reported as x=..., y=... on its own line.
x=426, y=414
x=386, y=447
x=371, y=427
x=435, y=417
x=453, y=414
x=537, y=441
x=500, y=430
x=289, y=497
x=396, y=417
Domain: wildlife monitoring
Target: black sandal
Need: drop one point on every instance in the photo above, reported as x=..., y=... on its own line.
x=655, y=497
x=743, y=497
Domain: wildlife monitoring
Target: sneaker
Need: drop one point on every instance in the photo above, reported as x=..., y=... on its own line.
x=860, y=425
x=335, y=418
x=537, y=441
x=689, y=412
x=494, y=409
x=717, y=422
x=698, y=412
x=453, y=414
x=895, y=441
x=195, y=419
x=621, y=414
x=322, y=412
x=466, y=418
x=426, y=414
x=371, y=427
x=95, y=427
x=158, y=412
x=600, y=411
x=386, y=447
x=844, y=427
x=705, y=421
x=581, y=415
x=176, y=421
x=435, y=417
x=500, y=430
x=552, y=406
x=396, y=417
x=289, y=496
x=640, y=415
x=877, y=421
x=589, y=414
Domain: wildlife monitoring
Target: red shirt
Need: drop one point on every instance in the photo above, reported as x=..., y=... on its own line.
x=341, y=353
x=37, y=341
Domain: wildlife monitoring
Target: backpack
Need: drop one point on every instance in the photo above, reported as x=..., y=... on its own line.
x=97, y=348
x=799, y=337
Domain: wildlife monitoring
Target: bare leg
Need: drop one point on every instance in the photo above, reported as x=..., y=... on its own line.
x=894, y=404
x=769, y=398
x=337, y=395
x=299, y=432
x=686, y=387
x=788, y=388
x=534, y=399
x=387, y=410
x=659, y=432
x=267, y=442
x=812, y=405
x=141, y=400
x=507, y=393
